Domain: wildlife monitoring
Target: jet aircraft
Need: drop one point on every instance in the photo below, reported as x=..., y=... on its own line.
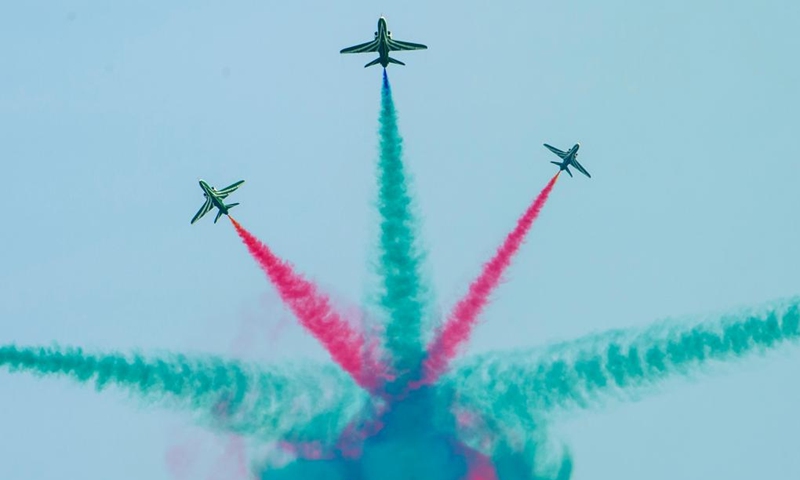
x=569, y=158
x=383, y=44
x=214, y=198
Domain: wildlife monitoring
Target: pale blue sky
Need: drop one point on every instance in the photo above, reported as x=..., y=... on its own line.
x=687, y=113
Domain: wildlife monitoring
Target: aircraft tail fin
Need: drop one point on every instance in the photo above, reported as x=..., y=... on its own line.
x=374, y=62
x=394, y=60
x=227, y=207
x=563, y=167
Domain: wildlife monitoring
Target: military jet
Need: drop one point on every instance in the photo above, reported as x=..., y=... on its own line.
x=383, y=44
x=214, y=198
x=569, y=158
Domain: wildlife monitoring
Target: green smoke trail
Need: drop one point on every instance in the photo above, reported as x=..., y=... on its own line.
x=229, y=395
x=522, y=387
x=400, y=259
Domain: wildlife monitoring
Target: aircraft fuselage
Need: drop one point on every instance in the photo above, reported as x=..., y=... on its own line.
x=383, y=34
x=210, y=192
x=570, y=156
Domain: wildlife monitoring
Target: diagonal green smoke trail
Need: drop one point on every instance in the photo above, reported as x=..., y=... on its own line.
x=582, y=373
x=400, y=259
x=229, y=395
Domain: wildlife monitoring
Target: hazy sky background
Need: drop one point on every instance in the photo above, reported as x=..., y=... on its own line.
x=687, y=113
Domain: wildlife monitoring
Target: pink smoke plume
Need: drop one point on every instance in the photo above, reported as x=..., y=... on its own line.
x=224, y=457
x=480, y=468
x=188, y=460
x=232, y=464
x=180, y=460
x=314, y=310
x=461, y=321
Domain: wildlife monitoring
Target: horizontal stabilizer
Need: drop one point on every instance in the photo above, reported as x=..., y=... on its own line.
x=393, y=60
x=231, y=205
x=374, y=62
x=556, y=163
x=219, y=214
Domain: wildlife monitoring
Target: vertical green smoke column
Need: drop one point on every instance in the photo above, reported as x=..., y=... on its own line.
x=400, y=259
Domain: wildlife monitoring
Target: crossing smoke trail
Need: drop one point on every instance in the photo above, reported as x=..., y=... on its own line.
x=461, y=321
x=225, y=455
x=584, y=372
x=286, y=402
x=400, y=259
x=314, y=310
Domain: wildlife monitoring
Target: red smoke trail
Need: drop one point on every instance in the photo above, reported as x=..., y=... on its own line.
x=313, y=309
x=459, y=324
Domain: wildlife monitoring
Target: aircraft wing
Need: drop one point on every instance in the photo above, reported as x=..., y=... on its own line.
x=229, y=189
x=362, y=48
x=203, y=210
x=556, y=151
x=399, y=45
x=580, y=168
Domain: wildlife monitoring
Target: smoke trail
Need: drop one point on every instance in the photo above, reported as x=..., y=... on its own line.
x=226, y=395
x=459, y=324
x=586, y=371
x=400, y=259
x=314, y=310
